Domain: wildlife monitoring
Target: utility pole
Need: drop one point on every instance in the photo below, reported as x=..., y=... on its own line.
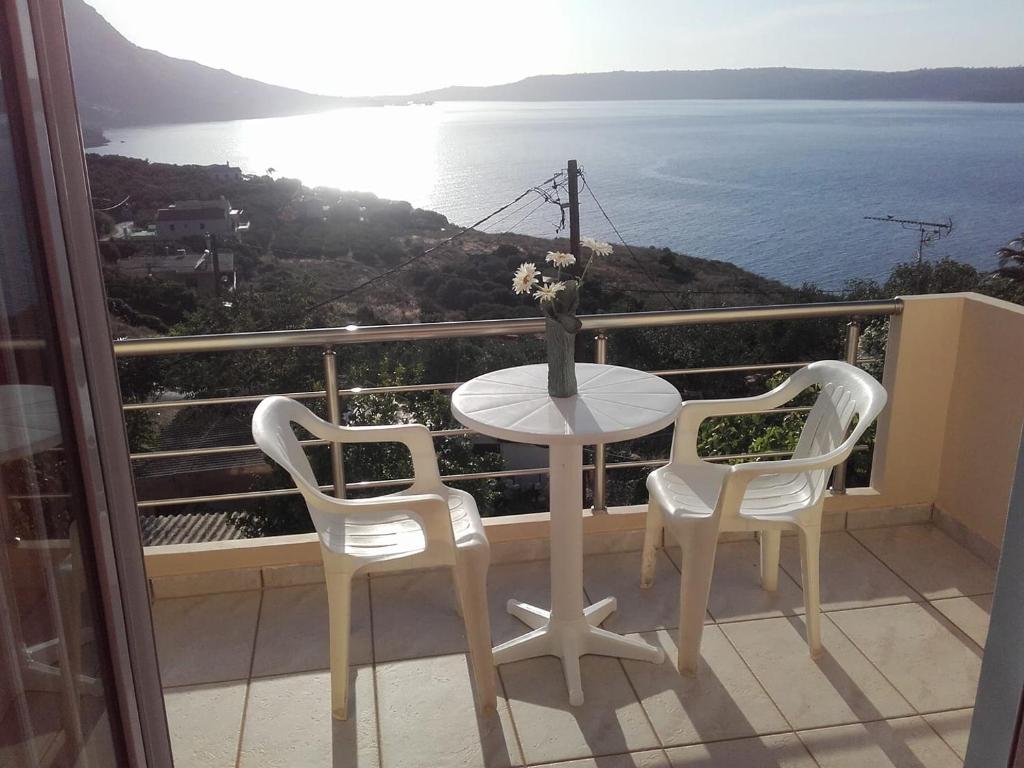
x=574, y=209
x=216, y=265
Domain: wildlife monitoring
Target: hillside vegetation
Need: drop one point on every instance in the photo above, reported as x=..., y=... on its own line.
x=298, y=254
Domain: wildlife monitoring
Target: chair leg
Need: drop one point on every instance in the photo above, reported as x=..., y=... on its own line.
x=698, y=543
x=652, y=540
x=339, y=605
x=810, y=546
x=471, y=577
x=458, y=595
x=771, y=542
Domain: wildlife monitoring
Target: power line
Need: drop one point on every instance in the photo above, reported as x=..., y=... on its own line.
x=399, y=267
x=104, y=210
x=545, y=198
x=640, y=264
x=528, y=215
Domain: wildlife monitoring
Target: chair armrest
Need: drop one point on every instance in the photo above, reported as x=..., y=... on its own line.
x=693, y=413
x=415, y=437
x=828, y=460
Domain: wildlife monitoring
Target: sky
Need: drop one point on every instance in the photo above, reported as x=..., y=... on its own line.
x=385, y=47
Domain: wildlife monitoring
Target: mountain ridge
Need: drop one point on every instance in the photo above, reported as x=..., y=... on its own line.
x=979, y=84
x=119, y=83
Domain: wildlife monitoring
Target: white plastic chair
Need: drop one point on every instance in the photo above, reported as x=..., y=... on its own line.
x=697, y=499
x=426, y=525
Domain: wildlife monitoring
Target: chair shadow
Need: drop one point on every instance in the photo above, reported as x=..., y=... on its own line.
x=894, y=748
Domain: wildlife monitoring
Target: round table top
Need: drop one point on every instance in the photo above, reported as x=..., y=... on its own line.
x=613, y=403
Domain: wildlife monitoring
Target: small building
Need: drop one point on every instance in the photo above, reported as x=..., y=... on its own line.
x=194, y=270
x=226, y=173
x=188, y=218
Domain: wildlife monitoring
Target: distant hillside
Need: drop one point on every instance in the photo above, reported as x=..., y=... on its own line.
x=119, y=83
x=949, y=84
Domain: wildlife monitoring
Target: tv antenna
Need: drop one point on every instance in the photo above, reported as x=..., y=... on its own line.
x=928, y=231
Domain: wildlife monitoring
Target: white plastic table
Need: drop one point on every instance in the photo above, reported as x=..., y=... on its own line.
x=613, y=404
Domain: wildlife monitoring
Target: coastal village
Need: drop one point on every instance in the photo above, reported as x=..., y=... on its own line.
x=167, y=247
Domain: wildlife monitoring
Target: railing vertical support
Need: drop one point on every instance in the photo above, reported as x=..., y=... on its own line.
x=600, y=504
x=334, y=416
x=852, y=347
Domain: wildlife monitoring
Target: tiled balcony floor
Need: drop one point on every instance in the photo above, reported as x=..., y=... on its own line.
x=907, y=611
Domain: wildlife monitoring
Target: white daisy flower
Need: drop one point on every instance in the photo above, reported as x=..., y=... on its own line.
x=525, y=278
x=560, y=259
x=548, y=291
x=597, y=247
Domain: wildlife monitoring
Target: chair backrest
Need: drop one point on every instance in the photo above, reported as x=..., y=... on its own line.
x=378, y=528
x=273, y=432
x=845, y=392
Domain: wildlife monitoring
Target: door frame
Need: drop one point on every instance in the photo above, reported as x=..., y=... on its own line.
x=996, y=735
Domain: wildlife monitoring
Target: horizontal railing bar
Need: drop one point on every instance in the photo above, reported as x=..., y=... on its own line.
x=20, y=345
x=242, y=399
x=354, y=334
x=370, y=484
x=221, y=449
x=443, y=386
x=354, y=486
x=727, y=369
x=211, y=451
x=231, y=400
x=438, y=433
x=176, y=501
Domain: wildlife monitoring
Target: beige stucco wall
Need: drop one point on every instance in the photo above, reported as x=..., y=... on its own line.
x=920, y=367
x=986, y=413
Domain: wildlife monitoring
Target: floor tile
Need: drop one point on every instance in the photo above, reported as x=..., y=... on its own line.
x=204, y=722
x=428, y=717
x=528, y=582
x=723, y=701
x=904, y=743
x=783, y=750
x=929, y=560
x=970, y=614
x=414, y=615
x=611, y=720
x=840, y=687
x=851, y=577
x=954, y=728
x=205, y=639
x=639, y=610
x=919, y=652
x=653, y=758
x=288, y=723
x=736, y=592
x=293, y=634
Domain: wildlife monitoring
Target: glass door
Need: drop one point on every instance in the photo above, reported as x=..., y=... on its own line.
x=79, y=684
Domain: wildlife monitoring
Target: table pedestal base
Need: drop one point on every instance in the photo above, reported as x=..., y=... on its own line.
x=569, y=630
x=570, y=639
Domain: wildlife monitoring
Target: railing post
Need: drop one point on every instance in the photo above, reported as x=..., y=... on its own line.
x=334, y=416
x=600, y=505
x=852, y=347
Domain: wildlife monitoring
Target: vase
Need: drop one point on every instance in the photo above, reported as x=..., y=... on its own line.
x=561, y=358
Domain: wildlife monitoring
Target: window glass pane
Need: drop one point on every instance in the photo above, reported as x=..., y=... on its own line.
x=56, y=694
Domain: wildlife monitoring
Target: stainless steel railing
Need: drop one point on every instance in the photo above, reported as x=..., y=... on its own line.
x=329, y=338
